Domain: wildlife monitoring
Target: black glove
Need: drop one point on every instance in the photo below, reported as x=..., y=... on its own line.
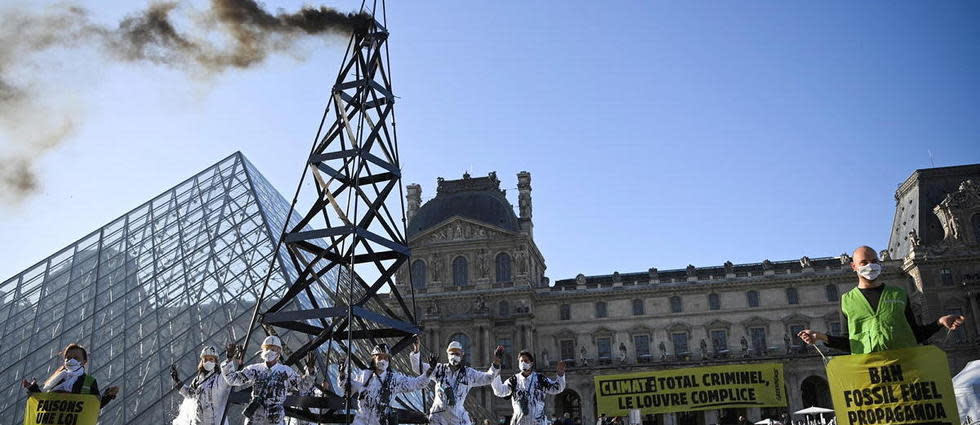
x=231, y=350
x=499, y=352
x=433, y=359
x=311, y=362
x=174, y=375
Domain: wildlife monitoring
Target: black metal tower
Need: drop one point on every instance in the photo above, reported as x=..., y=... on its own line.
x=354, y=228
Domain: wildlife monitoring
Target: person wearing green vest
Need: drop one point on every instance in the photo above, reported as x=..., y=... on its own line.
x=879, y=317
x=71, y=378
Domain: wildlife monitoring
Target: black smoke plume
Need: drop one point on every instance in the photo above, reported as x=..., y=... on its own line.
x=228, y=35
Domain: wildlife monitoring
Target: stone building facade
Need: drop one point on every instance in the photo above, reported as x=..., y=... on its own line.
x=479, y=278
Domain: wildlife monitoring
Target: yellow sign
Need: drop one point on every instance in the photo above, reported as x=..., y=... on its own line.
x=907, y=386
x=696, y=388
x=61, y=409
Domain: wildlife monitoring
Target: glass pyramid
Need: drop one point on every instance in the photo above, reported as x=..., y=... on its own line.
x=150, y=289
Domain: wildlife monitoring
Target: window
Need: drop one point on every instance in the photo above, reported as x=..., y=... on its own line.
x=832, y=294
x=714, y=302
x=567, y=348
x=418, y=274
x=675, y=304
x=642, y=344
x=638, y=308
x=758, y=337
x=835, y=329
x=947, y=276
x=503, y=308
x=505, y=362
x=792, y=296
x=600, y=309
x=463, y=340
x=565, y=312
x=604, y=349
x=679, y=339
x=976, y=226
x=719, y=340
x=794, y=340
x=460, y=271
x=753, y=298
x=503, y=267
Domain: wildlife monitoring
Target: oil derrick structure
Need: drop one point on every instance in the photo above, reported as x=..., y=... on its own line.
x=350, y=242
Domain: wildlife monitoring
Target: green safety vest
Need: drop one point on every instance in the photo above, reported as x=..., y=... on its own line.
x=881, y=330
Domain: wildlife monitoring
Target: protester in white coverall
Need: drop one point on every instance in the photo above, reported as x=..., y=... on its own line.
x=208, y=389
x=527, y=391
x=270, y=381
x=453, y=382
x=375, y=388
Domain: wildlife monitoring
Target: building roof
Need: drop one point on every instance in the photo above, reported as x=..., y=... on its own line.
x=479, y=199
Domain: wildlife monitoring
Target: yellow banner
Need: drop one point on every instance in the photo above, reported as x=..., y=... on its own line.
x=61, y=409
x=907, y=386
x=696, y=388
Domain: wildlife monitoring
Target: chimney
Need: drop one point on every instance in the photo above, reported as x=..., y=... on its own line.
x=524, y=202
x=414, y=198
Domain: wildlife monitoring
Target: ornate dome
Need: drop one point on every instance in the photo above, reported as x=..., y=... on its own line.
x=477, y=199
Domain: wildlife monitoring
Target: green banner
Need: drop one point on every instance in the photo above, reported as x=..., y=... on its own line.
x=696, y=388
x=907, y=386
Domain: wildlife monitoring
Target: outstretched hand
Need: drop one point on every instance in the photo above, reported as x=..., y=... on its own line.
x=951, y=321
x=416, y=345
x=174, y=375
x=27, y=384
x=231, y=351
x=433, y=359
x=561, y=368
x=112, y=392
x=498, y=354
x=311, y=362
x=811, y=337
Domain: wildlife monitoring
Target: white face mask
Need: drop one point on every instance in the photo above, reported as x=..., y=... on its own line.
x=269, y=355
x=870, y=271
x=72, y=365
x=525, y=366
x=382, y=365
x=208, y=366
x=455, y=359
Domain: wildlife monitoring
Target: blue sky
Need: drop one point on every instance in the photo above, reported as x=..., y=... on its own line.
x=657, y=133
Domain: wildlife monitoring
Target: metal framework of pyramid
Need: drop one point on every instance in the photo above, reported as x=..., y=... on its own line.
x=150, y=289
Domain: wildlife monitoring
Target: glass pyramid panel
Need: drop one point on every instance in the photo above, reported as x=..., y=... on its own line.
x=150, y=289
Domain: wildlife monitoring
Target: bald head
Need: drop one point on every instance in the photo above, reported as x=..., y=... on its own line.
x=864, y=252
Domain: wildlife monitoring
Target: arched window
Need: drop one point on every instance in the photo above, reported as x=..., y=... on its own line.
x=675, y=304
x=792, y=296
x=503, y=309
x=460, y=271
x=418, y=274
x=638, y=309
x=832, y=294
x=462, y=339
x=714, y=303
x=752, y=297
x=503, y=267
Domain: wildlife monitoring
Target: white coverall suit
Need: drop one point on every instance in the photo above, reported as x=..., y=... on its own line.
x=375, y=393
x=273, y=383
x=209, y=390
x=527, y=396
x=451, y=390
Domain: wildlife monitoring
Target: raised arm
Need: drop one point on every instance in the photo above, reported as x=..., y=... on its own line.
x=236, y=377
x=481, y=379
x=499, y=388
